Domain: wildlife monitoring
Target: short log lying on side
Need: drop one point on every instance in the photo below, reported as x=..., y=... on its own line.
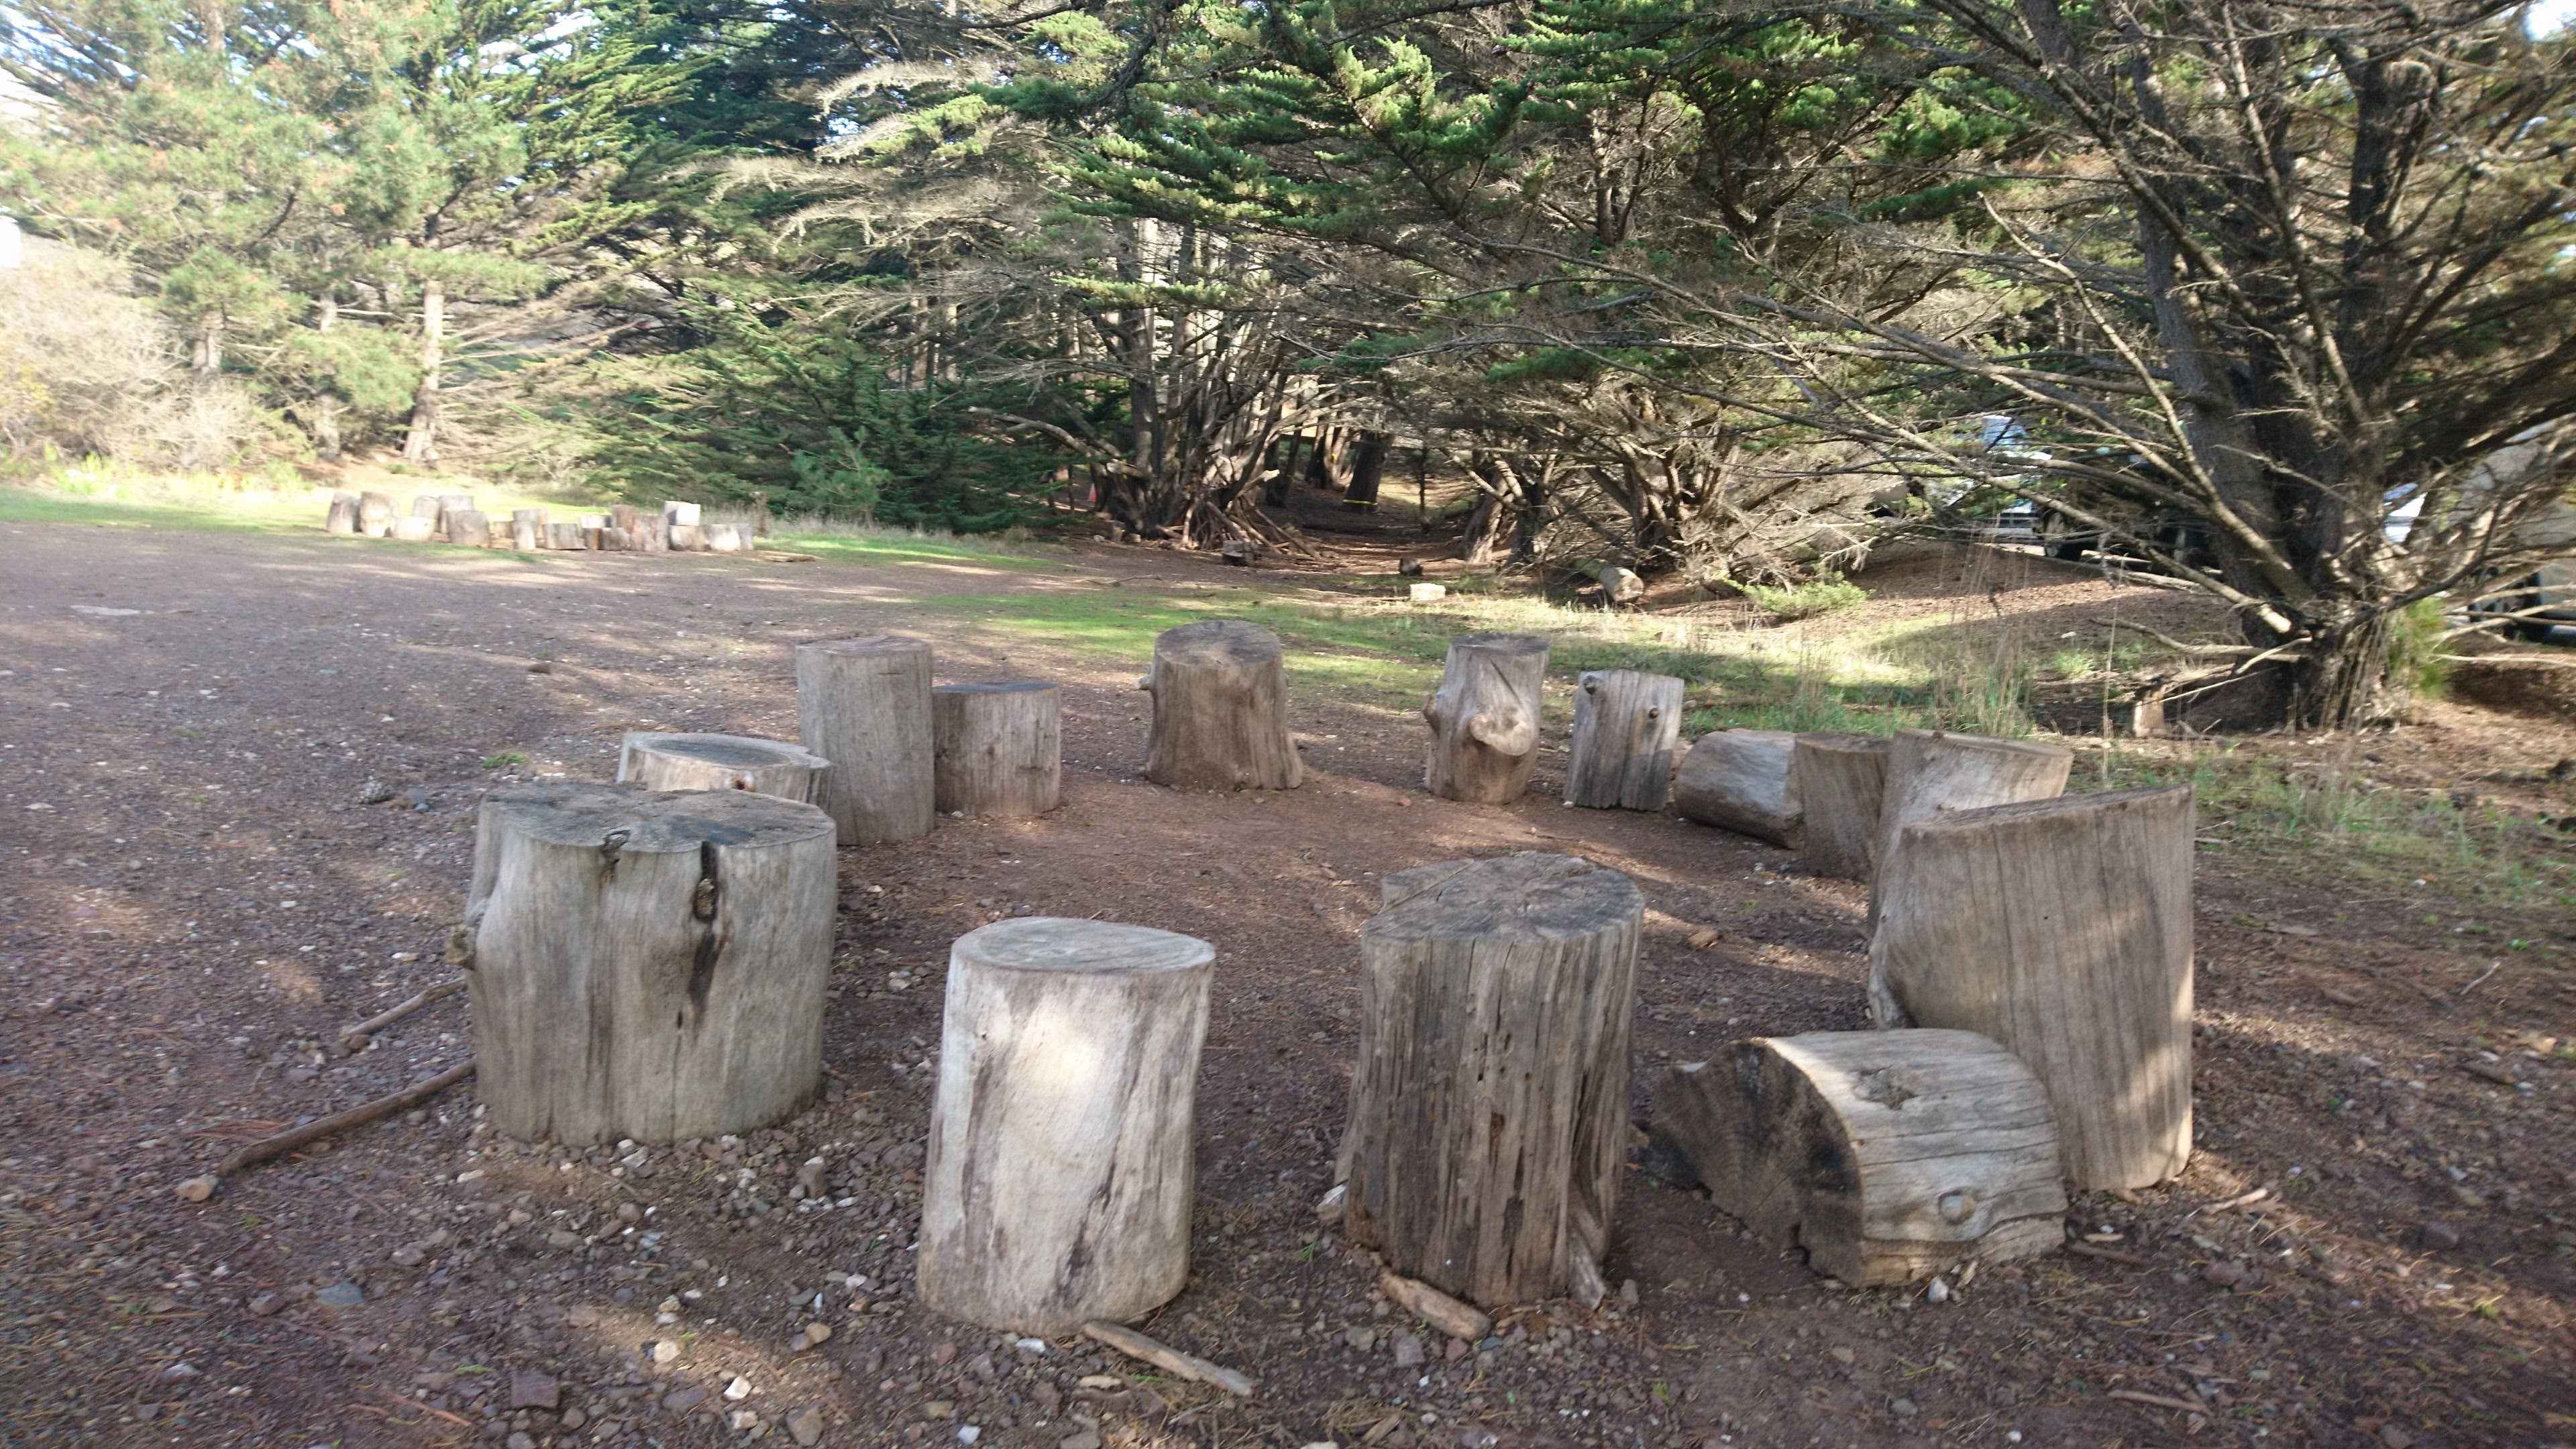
x=2063, y=929
x=1626, y=723
x=721, y=762
x=1618, y=585
x=376, y=515
x=1060, y=1174
x=468, y=528
x=1739, y=780
x=864, y=705
x=1887, y=1155
x=688, y=538
x=566, y=536
x=1220, y=690
x=415, y=529
x=678, y=514
x=1489, y=1109
x=648, y=965
x=343, y=517
x=1840, y=783
x=1929, y=771
x=1484, y=718
x=726, y=538
x=997, y=749
x=527, y=529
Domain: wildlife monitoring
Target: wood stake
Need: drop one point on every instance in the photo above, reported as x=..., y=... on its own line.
x=314, y=1131
x=1189, y=1366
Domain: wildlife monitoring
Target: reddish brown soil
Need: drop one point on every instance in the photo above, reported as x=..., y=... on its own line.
x=201, y=902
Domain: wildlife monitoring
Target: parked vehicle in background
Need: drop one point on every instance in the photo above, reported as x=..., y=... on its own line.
x=2551, y=589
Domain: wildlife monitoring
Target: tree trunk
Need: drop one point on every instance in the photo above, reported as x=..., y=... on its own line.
x=1887, y=1155
x=1060, y=1178
x=1484, y=718
x=2343, y=682
x=468, y=528
x=1489, y=1109
x=997, y=749
x=2063, y=929
x=343, y=517
x=326, y=426
x=864, y=705
x=420, y=445
x=1739, y=780
x=648, y=965
x=527, y=529
x=1840, y=784
x=1220, y=691
x=1928, y=772
x=1368, y=470
x=721, y=762
x=1626, y=724
x=376, y=515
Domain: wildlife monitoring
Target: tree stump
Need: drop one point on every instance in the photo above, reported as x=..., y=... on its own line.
x=426, y=505
x=1887, y=1155
x=343, y=517
x=678, y=514
x=996, y=749
x=721, y=762
x=452, y=503
x=565, y=536
x=376, y=515
x=864, y=705
x=2061, y=928
x=1220, y=691
x=688, y=538
x=415, y=529
x=1840, y=782
x=725, y=538
x=1625, y=726
x=1739, y=780
x=1928, y=772
x=527, y=529
x=615, y=540
x=1489, y=1110
x=1484, y=718
x=622, y=515
x=647, y=965
x=1060, y=1176
x=652, y=535
x=468, y=528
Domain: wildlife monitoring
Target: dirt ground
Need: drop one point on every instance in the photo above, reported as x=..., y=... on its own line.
x=197, y=900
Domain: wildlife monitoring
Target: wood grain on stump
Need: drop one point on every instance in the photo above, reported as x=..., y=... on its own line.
x=1886, y=1155
x=647, y=965
x=468, y=528
x=678, y=514
x=1929, y=771
x=1626, y=723
x=1220, y=690
x=1489, y=1108
x=864, y=705
x=1840, y=782
x=527, y=529
x=1739, y=780
x=721, y=762
x=997, y=749
x=376, y=515
x=2063, y=929
x=1484, y=718
x=566, y=536
x=1060, y=1175
x=343, y=517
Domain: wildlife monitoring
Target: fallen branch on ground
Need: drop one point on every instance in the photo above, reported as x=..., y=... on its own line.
x=1189, y=1366
x=355, y=1037
x=2158, y=1401
x=198, y=1189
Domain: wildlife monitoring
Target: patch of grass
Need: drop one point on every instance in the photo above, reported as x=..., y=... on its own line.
x=1823, y=594
x=506, y=757
x=276, y=500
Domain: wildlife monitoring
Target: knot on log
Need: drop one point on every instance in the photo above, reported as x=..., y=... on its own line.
x=609, y=847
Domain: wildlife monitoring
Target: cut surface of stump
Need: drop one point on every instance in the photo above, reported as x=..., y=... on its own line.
x=997, y=749
x=647, y=964
x=1061, y=1171
x=2063, y=929
x=1489, y=1107
x=1887, y=1155
x=1739, y=780
x=864, y=705
x=721, y=762
x=1840, y=783
x=1220, y=690
x=1626, y=723
x=1929, y=771
x=1484, y=718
